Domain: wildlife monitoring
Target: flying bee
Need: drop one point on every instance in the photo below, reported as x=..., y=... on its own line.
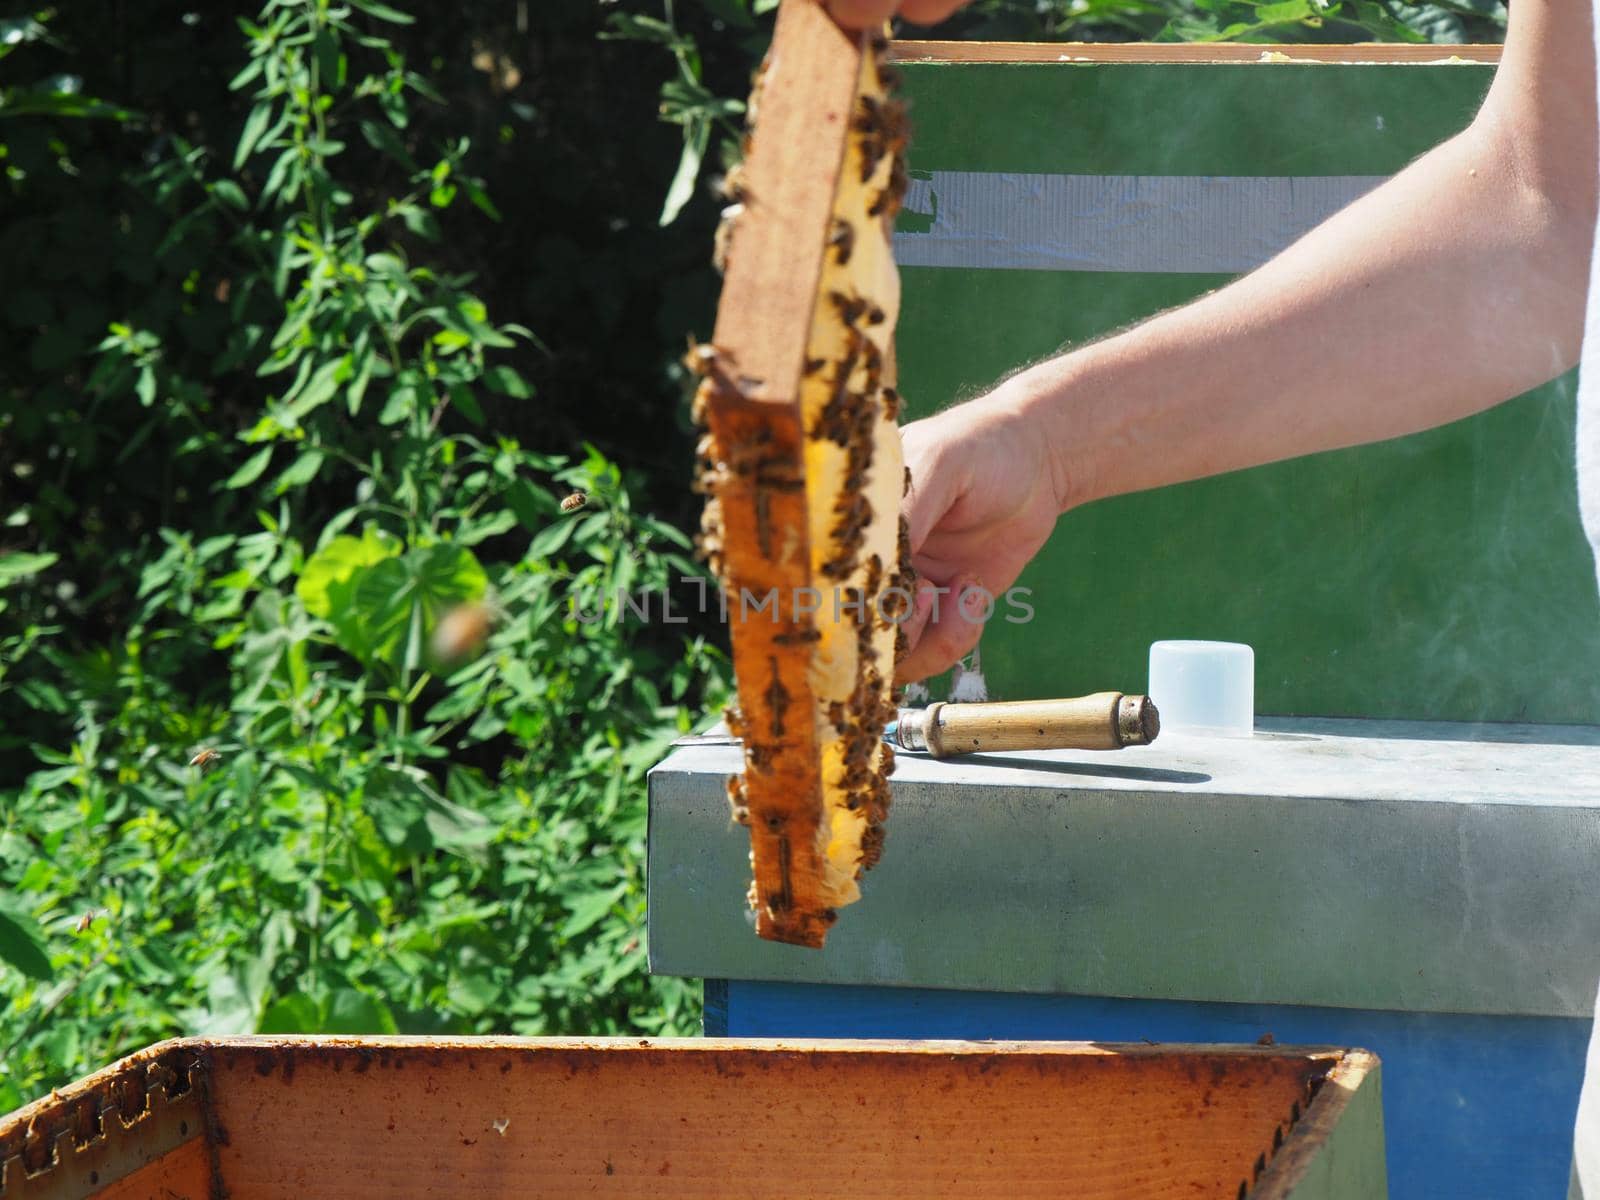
x=84, y=923
x=205, y=758
x=462, y=632
x=574, y=501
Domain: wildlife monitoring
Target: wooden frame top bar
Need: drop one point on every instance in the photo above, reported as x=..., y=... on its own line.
x=1187, y=52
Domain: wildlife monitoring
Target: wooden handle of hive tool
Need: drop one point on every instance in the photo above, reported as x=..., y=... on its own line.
x=1103, y=721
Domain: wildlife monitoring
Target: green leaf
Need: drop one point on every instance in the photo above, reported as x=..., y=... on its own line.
x=424, y=224
x=397, y=601
x=1283, y=11
x=350, y=1011
x=254, y=126
x=472, y=993
x=252, y=469
x=636, y=28
x=395, y=806
x=507, y=382
x=294, y=1013
x=300, y=472
x=409, y=813
x=16, y=565
x=485, y=527
x=695, y=137
x=466, y=403
x=384, y=139
x=533, y=506
x=551, y=538
x=455, y=827
x=332, y=568
x=230, y=193
x=590, y=909
x=229, y=1008
x=383, y=12
x=22, y=943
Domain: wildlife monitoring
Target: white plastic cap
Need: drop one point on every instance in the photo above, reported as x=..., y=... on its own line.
x=1205, y=688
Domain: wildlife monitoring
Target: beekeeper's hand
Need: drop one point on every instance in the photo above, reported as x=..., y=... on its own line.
x=983, y=500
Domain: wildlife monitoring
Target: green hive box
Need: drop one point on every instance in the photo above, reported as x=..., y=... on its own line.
x=1443, y=576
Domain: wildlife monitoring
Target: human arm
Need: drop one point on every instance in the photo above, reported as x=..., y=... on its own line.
x=1455, y=285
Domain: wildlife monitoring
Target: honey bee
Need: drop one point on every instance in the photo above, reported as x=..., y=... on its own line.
x=461, y=632
x=851, y=308
x=871, y=847
x=574, y=501
x=205, y=758
x=84, y=923
x=722, y=242
x=738, y=809
x=700, y=358
x=699, y=403
x=760, y=758
x=842, y=239
x=891, y=412
x=731, y=187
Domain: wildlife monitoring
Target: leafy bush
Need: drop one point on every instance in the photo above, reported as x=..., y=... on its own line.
x=275, y=797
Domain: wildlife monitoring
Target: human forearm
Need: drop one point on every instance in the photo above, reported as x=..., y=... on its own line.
x=1455, y=285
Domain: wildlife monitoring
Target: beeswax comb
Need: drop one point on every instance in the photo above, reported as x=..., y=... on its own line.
x=802, y=469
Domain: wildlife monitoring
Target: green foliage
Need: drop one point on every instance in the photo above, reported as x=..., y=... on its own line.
x=241, y=787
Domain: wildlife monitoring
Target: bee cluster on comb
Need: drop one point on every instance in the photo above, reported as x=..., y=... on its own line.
x=802, y=469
